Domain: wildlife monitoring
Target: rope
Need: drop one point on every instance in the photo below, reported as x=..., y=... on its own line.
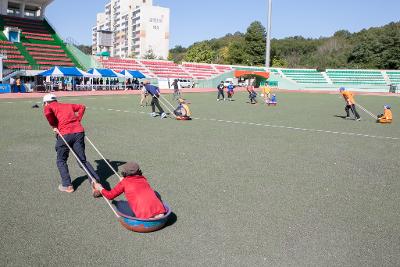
x=170, y=111
x=366, y=111
x=101, y=155
x=87, y=172
x=167, y=101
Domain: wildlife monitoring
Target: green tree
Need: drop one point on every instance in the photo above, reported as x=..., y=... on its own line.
x=85, y=49
x=200, y=52
x=255, y=43
x=377, y=48
x=370, y=48
x=279, y=62
x=237, y=54
x=150, y=54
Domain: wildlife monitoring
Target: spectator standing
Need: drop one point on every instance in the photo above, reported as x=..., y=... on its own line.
x=221, y=93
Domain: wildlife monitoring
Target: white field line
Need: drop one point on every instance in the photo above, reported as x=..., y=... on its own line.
x=269, y=125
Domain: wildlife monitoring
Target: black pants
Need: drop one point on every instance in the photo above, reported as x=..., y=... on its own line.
x=77, y=142
x=221, y=93
x=253, y=98
x=353, y=110
x=177, y=94
x=154, y=103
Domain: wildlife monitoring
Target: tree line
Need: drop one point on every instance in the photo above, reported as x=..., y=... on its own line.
x=374, y=48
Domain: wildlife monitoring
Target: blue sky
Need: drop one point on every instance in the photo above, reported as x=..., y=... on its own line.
x=193, y=21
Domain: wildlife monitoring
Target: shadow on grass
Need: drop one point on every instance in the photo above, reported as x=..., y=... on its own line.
x=342, y=117
x=103, y=170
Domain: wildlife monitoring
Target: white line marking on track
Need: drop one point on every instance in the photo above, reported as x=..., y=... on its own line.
x=274, y=126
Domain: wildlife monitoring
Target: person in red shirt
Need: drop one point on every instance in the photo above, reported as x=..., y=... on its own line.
x=66, y=118
x=142, y=199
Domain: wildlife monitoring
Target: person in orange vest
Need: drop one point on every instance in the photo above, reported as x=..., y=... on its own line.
x=387, y=116
x=350, y=103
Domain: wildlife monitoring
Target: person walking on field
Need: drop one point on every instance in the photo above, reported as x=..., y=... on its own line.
x=143, y=96
x=221, y=93
x=350, y=103
x=230, y=88
x=154, y=91
x=177, y=93
x=65, y=119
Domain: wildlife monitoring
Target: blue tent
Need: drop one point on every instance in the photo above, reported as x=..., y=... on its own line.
x=105, y=73
x=64, y=72
x=132, y=74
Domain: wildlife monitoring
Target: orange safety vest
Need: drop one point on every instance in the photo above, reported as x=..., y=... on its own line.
x=348, y=96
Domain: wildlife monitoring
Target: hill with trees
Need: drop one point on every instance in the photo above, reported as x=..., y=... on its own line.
x=373, y=48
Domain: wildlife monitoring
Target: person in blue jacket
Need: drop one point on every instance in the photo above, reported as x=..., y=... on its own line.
x=154, y=91
x=230, y=88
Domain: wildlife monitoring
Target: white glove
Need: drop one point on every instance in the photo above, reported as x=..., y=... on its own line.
x=98, y=186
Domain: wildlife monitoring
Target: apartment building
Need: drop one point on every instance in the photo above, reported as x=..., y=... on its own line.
x=132, y=28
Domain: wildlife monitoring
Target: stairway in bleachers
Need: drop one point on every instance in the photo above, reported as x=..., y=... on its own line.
x=394, y=76
x=40, y=46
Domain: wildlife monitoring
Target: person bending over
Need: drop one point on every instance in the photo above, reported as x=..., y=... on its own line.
x=350, y=103
x=154, y=91
x=252, y=94
x=66, y=119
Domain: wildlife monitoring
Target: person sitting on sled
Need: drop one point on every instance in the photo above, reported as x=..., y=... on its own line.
x=252, y=94
x=182, y=112
x=387, y=116
x=273, y=101
x=141, y=197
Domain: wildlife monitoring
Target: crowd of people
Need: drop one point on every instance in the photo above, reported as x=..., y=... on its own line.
x=37, y=83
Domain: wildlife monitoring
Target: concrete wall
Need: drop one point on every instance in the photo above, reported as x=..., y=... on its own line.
x=154, y=31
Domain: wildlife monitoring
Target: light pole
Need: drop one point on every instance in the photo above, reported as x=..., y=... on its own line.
x=268, y=51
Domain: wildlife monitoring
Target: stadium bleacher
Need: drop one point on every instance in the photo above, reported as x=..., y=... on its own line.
x=119, y=64
x=40, y=47
x=394, y=76
x=304, y=75
x=200, y=70
x=356, y=77
x=165, y=69
x=14, y=58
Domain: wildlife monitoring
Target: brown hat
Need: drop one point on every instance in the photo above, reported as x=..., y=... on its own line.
x=130, y=169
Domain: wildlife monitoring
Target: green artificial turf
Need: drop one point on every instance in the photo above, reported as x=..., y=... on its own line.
x=250, y=185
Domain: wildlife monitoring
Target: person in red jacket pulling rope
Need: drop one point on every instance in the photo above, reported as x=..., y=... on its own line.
x=66, y=119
